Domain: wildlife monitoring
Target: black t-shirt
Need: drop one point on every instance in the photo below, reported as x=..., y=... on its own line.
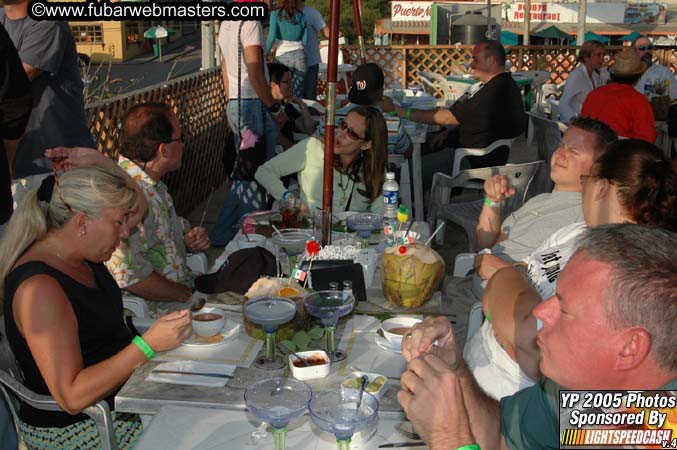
x=495, y=112
x=15, y=110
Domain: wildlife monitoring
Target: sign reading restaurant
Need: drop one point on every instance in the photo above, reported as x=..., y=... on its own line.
x=651, y=13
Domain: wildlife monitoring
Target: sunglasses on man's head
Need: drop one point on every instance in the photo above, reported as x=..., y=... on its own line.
x=643, y=48
x=343, y=125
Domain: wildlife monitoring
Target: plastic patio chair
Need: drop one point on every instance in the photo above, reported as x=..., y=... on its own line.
x=467, y=214
x=547, y=134
x=11, y=385
x=461, y=153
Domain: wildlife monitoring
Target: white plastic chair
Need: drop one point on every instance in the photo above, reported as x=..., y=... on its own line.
x=461, y=153
x=538, y=79
x=467, y=214
x=11, y=385
x=547, y=134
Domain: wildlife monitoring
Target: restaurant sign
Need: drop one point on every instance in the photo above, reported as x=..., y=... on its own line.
x=411, y=11
x=649, y=13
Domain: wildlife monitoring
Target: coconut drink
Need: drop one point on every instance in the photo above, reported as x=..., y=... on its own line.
x=410, y=274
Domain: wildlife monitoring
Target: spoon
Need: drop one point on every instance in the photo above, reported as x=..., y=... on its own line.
x=245, y=233
x=365, y=379
x=285, y=349
x=196, y=304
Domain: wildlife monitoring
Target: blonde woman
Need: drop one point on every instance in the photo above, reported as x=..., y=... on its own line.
x=63, y=310
x=583, y=79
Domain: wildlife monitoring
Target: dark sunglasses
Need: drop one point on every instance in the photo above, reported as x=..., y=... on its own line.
x=643, y=48
x=349, y=131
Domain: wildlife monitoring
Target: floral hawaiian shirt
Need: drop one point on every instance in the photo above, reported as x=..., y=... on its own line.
x=158, y=244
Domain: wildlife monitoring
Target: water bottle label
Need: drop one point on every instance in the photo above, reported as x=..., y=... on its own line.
x=390, y=197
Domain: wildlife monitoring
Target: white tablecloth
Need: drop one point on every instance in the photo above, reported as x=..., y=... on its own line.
x=183, y=428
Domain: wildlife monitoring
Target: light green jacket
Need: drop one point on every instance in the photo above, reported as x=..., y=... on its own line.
x=307, y=160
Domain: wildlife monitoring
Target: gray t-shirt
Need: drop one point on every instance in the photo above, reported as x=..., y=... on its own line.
x=315, y=24
x=58, y=116
x=532, y=224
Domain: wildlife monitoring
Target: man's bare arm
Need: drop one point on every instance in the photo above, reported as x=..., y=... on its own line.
x=31, y=72
x=254, y=60
x=158, y=288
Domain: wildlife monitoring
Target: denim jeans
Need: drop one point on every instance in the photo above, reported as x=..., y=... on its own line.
x=310, y=82
x=244, y=196
x=296, y=61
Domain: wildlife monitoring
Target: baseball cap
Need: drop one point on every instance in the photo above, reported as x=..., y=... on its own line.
x=367, y=84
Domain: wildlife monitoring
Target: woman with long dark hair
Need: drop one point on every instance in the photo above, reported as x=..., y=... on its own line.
x=360, y=154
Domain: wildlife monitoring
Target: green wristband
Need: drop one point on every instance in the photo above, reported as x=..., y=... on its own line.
x=393, y=113
x=469, y=447
x=491, y=203
x=408, y=114
x=144, y=347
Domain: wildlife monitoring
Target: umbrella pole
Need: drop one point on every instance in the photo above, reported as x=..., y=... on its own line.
x=330, y=119
x=159, y=41
x=357, y=9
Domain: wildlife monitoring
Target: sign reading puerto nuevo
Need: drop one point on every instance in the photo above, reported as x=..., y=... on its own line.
x=417, y=11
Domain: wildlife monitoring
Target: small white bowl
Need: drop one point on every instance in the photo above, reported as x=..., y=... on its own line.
x=255, y=240
x=395, y=339
x=310, y=372
x=210, y=327
x=371, y=377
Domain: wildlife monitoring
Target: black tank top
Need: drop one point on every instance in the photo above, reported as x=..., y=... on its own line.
x=101, y=330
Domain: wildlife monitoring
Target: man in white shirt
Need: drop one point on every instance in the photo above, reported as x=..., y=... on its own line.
x=657, y=80
x=583, y=79
x=315, y=23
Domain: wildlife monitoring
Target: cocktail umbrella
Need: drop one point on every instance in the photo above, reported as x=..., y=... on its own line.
x=158, y=33
x=357, y=11
x=330, y=118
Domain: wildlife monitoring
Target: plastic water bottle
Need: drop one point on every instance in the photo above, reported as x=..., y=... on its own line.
x=390, y=196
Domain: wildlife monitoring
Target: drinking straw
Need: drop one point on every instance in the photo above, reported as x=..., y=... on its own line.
x=204, y=213
x=433, y=235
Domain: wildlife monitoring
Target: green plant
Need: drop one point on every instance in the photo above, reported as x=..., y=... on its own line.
x=372, y=10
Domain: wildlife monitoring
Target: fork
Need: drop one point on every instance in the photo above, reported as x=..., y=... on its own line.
x=409, y=434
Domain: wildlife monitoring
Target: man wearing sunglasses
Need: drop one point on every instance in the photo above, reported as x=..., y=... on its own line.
x=657, y=80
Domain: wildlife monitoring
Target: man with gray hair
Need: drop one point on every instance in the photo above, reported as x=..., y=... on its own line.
x=609, y=326
x=657, y=79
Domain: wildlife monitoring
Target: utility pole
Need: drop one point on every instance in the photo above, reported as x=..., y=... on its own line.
x=580, y=29
x=208, y=50
x=527, y=22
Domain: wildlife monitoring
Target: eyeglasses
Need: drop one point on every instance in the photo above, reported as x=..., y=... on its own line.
x=181, y=138
x=643, y=48
x=349, y=131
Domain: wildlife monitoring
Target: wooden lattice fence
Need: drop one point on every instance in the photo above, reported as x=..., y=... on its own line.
x=200, y=104
x=401, y=63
